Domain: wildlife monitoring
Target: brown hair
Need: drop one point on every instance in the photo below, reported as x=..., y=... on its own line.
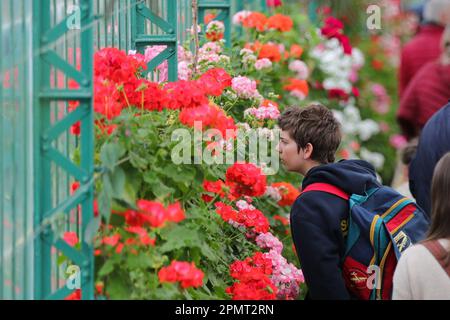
x=313, y=124
x=440, y=202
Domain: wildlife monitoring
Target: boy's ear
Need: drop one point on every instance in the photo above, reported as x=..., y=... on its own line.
x=308, y=151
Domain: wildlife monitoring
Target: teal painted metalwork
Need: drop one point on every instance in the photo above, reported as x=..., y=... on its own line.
x=312, y=11
x=62, y=55
x=145, y=17
x=16, y=203
x=224, y=7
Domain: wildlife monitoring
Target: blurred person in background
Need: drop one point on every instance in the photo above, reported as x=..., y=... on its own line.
x=427, y=92
x=434, y=142
x=425, y=45
x=423, y=271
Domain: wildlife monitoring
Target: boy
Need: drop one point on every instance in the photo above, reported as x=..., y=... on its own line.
x=309, y=139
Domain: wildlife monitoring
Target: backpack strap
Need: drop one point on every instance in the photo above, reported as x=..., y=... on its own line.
x=328, y=188
x=439, y=253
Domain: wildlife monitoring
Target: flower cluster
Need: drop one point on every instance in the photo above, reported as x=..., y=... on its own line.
x=184, y=95
x=213, y=187
x=285, y=276
x=333, y=28
x=271, y=51
x=287, y=192
x=269, y=241
x=260, y=22
x=253, y=279
x=154, y=214
x=118, y=85
x=245, y=88
x=340, y=70
x=187, y=274
x=209, y=116
x=274, y=3
x=280, y=22
x=215, y=30
x=297, y=88
x=263, y=63
x=245, y=179
x=250, y=218
x=267, y=110
x=300, y=68
x=214, y=81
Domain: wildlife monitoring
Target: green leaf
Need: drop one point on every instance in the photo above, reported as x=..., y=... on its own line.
x=159, y=189
x=180, y=237
x=91, y=230
x=137, y=161
x=105, y=198
x=143, y=261
x=118, y=288
x=118, y=183
x=107, y=268
x=110, y=154
x=61, y=259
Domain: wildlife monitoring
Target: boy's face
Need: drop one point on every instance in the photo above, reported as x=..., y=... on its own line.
x=290, y=156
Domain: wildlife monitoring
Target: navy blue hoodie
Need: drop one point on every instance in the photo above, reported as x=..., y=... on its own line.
x=318, y=225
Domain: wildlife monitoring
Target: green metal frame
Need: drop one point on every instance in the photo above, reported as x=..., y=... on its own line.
x=260, y=5
x=45, y=133
x=224, y=6
x=140, y=16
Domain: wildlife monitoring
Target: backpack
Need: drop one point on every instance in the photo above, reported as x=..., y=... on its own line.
x=382, y=223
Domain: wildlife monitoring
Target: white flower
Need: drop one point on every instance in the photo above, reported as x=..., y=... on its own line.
x=300, y=68
x=249, y=59
x=273, y=193
x=375, y=158
x=367, y=128
x=263, y=64
x=245, y=52
x=224, y=59
x=357, y=58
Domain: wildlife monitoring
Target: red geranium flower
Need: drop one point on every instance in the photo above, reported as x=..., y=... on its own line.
x=184, y=94
x=270, y=51
x=214, y=81
x=245, y=179
x=337, y=93
x=216, y=187
x=274, y=3
x=255, y=20
x=280, y=22
x=253, y=281
x=184, y=272
x=71, y=238
x=288, y=193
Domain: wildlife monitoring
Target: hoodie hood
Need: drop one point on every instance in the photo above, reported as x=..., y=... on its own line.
x=352, y=176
